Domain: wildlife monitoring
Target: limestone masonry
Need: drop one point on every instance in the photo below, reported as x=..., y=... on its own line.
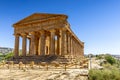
x=46, y=34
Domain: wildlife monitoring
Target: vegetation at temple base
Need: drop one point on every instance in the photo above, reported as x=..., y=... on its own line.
x=9, y=55
x=110, y=71
x=5, y=57
x=104, y=74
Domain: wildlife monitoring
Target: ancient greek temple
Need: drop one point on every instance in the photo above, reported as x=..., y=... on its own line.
x=46, y=34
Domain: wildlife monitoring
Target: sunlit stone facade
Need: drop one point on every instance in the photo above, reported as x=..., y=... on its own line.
x=46, y=34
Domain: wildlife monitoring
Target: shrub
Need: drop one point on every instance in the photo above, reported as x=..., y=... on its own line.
x=9, y=55
x=104, y=74
x=100, y=56
x=95, y=75
x=110, y=59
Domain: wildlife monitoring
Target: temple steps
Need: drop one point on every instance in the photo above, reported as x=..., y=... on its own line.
x=37, y=59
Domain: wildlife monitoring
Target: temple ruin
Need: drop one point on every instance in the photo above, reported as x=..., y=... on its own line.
x=46, y=34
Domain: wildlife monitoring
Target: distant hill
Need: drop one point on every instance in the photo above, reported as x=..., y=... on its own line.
x=5, y=50
x=116, y=56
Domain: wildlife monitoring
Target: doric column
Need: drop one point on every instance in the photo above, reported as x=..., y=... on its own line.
x=39, y=45
x=47, y=43
x=32, y=46
x=65, y=43
x=29, y=45
x=42, y=42
x=36, y=45
x=24, y=44
x=52, y=42
x=75, y=49
x=68, y=45
x=82, y=50
x=62, y=41
x=71, y=45
x=58, y=44
x=16, y=48
x=78, y=49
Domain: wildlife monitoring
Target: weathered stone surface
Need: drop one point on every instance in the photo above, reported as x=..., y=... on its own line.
x=48, y=34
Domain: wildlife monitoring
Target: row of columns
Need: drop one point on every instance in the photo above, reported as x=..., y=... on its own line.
x=66, y=43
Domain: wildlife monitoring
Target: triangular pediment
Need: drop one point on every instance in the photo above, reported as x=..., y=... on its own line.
x=37, y=16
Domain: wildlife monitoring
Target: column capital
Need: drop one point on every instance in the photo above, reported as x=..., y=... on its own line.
x=52, y=30
x=23, y=34
x=63, y=29
x=68, y=32
x=16, y=34
x=42, y=31
x=29, y=38
x=32, y=33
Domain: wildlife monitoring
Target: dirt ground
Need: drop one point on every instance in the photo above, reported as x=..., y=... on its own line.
x=41, y=73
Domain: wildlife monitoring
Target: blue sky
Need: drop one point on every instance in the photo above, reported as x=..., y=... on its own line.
x=96, y=22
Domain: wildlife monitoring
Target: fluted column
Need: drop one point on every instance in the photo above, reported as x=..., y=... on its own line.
x=82, y=50
x=76, y=49
x=42, y=42
x=68, y=44
x=58, y=44
x=32, y=46
x=39, y=45
x=52, y=42
x=29, y=45
x=73, y=48
x=36, y=45
x=48, y=44
x=62, y=41
x=72, y=45
x=24, y=45
x=65, y=43
x=16, y=48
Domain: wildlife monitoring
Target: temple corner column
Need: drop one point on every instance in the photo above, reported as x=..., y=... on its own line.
x=16, y=47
